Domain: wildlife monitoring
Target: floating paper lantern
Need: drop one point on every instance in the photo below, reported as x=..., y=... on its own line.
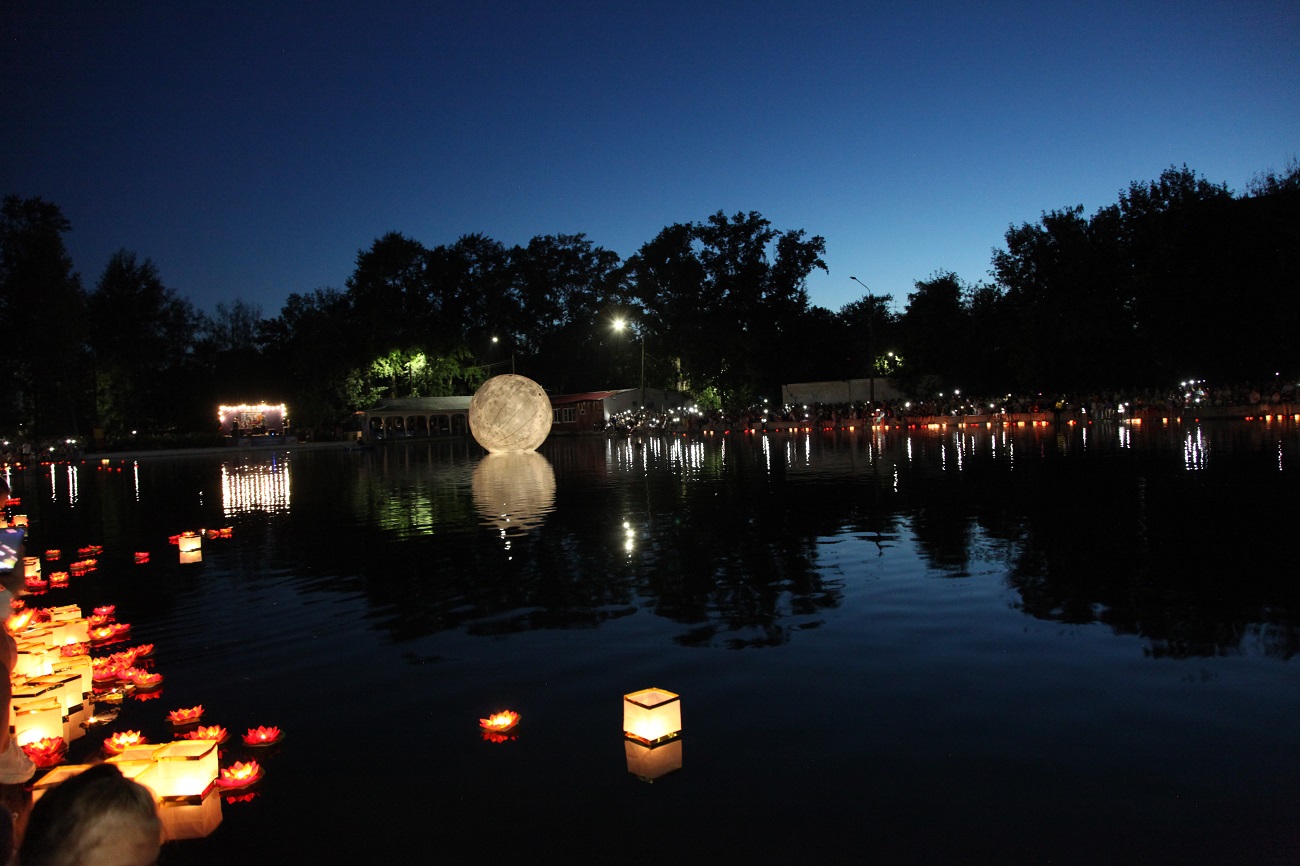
x=189, y=557
x=146, y=679
x=53, y=554
x=240, y=775
x=142, y=650
x=262, y=736
x=141, y=557
x=189, y=820
x=103, y=633
x=46, y=752
x=106, y=610
x=652, y=715
x=213, y=733
x=19, y=520
x=186, y=716
x=120, y=741
x=31, y=567
x=59, y=578
x=186, y=768
x=500, y=722
x=189, y=542
x=38, y=720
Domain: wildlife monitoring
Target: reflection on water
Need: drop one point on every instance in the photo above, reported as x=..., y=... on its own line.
x=256, y=486
x=514, y=491
x=1079, y=615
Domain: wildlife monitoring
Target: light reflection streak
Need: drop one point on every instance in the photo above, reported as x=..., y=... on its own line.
x=262, y=487
x=74, y=489
x=1279, y=455
x=1196, y=452
x=1125, y=436
x=135, y=478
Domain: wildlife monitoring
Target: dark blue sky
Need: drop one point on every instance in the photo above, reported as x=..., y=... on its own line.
x=251, y=149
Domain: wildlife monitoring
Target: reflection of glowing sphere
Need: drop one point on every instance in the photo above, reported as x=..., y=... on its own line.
x=510, y=413
x=514, y=491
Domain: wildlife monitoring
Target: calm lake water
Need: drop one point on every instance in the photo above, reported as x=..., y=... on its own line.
x=1027, y=646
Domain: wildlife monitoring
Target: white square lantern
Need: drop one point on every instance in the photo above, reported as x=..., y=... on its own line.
x=186, y=820
x=190, y=542
x=184, y=769
x=38, y=719
x=652, y=716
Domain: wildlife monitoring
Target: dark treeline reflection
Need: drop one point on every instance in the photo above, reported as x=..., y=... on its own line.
x=1177, y=535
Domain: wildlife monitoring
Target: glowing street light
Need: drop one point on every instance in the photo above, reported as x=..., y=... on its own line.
x=622, y=325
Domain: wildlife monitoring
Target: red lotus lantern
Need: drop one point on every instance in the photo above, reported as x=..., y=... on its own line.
x=59, y=578
x=35, y=582
x=96, y=621
x=105, y=610
x=213, y=733
x=102, y=633
x=227, y=531
x=74, y=649
x=146, y=679
x=186, y=716
x=262, y=736
x=53, y=554
x=142, y=650
x=240, y=775
x=122, y=740
x=501, y=722
x=46, y=752
x=120, y=628
x=141, y=557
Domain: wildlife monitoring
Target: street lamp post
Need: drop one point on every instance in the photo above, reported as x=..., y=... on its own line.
x=871, y=344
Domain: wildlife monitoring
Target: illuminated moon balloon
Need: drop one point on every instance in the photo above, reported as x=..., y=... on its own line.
x=510, y=413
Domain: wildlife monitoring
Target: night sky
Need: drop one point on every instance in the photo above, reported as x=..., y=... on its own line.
x=251, y=149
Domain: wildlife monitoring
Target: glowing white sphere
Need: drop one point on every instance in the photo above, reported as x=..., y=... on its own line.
x=510, y=413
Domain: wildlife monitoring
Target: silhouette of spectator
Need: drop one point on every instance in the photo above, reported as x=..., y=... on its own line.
x=96, y=818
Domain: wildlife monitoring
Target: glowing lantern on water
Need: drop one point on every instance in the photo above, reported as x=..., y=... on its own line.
x=186, y=716
x=46, y=752
x=146, y=679
x=144, y=649
x=59, y=578
x=262, y=736
x=189, y=542
x=652, y=715
x=214, y=733
x=19, y=519
x=141, y=557
x=189, y=557
x=53, y=554
x=500, y=722
x=186, y=768
x=190, y=820
x=122, y=740
x=105, y=610
x=31, y=566
x=102, y=633
x=240, y=775
x=38, y=720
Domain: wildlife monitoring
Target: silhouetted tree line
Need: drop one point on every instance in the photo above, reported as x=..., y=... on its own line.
x=1179, y=277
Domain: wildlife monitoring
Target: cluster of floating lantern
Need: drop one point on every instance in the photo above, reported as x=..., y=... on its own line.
x=60, y=692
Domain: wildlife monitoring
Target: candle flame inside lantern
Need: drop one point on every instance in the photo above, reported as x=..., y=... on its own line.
x=502, y=721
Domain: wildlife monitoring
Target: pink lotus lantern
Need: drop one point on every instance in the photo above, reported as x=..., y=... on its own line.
x=214, y=733
x=123, y=740
x=74, y=649
x=262, y=736
x=500, y=722
x=120, y=628
x=186, y=716
x=96, y=620
x=102, y=633
x=106, y=610
x=240, y=775
x=46, y=752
